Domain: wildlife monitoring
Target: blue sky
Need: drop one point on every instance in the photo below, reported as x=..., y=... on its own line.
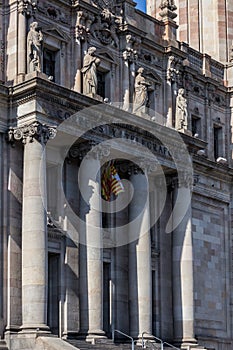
x=141, y=5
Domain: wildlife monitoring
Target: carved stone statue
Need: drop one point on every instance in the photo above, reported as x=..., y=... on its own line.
x=181, y=111
x=140, y=92
x=90, y=63
x=34, y=48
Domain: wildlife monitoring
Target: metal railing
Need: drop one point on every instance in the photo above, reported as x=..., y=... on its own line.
x=162, y=343
x=126, y=335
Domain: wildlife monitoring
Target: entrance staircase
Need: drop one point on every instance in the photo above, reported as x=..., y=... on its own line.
x=107, y=344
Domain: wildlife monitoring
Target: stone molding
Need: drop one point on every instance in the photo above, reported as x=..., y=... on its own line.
x=27, y=133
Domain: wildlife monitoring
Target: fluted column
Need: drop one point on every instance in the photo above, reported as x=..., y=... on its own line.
x=183, y=290
x=140, y=283
x=91, y=254
x=34, y=226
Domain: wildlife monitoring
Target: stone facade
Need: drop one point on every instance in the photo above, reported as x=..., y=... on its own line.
x=86, y=84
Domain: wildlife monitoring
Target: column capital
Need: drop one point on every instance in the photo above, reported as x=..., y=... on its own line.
x=83, y=25
x=27, y=7
x=30, y=132
x=185, y=179
x=132, y=47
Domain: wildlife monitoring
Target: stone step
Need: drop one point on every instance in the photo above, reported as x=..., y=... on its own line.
x=109, y=345
x=3, y=345
x=102, y=345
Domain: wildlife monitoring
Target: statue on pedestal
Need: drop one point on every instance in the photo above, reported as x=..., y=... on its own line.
x=181, y=122
x=89, y=70
x=140, y=92
x=34, y=48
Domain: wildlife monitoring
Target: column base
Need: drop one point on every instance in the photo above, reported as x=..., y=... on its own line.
x=143, y=338
x=94, y=335
x=12, y=329
x=70, y=335
x=37, y=328
x=185, y=342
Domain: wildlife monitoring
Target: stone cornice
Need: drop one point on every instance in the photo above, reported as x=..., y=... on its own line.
x=211, y=193
x=212, y=169
x=32, y=88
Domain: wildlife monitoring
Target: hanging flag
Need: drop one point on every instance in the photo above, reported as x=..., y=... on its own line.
x=105, y=183
x=110, y=182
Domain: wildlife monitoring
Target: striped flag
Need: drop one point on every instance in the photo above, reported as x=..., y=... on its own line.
x=110, y=182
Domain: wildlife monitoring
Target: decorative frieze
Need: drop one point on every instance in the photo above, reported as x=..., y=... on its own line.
x=55, y=13
x=149, y=58
x=105, y=28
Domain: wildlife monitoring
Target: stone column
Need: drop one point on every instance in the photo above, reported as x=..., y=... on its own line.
x=14, y=197
x=183, y=290
x=121, y=272
x=34, y=226
x=22, y=51
x=171, y=89
x=78, y=59
x=126, y=85
x=132, y=79
x=91, y=254
x=140, y=283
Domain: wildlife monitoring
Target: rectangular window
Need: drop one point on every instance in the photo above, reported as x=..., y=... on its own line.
x=217, y=142
x=196, y=127
x=101, y=84
x=49, y=63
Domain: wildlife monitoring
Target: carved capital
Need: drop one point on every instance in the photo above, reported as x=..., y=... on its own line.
x=27, y=7
x=132, y=48
x=173, y=69
x=184, y=179
x=83, y=25
x=100, y=151
x=30, y=132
